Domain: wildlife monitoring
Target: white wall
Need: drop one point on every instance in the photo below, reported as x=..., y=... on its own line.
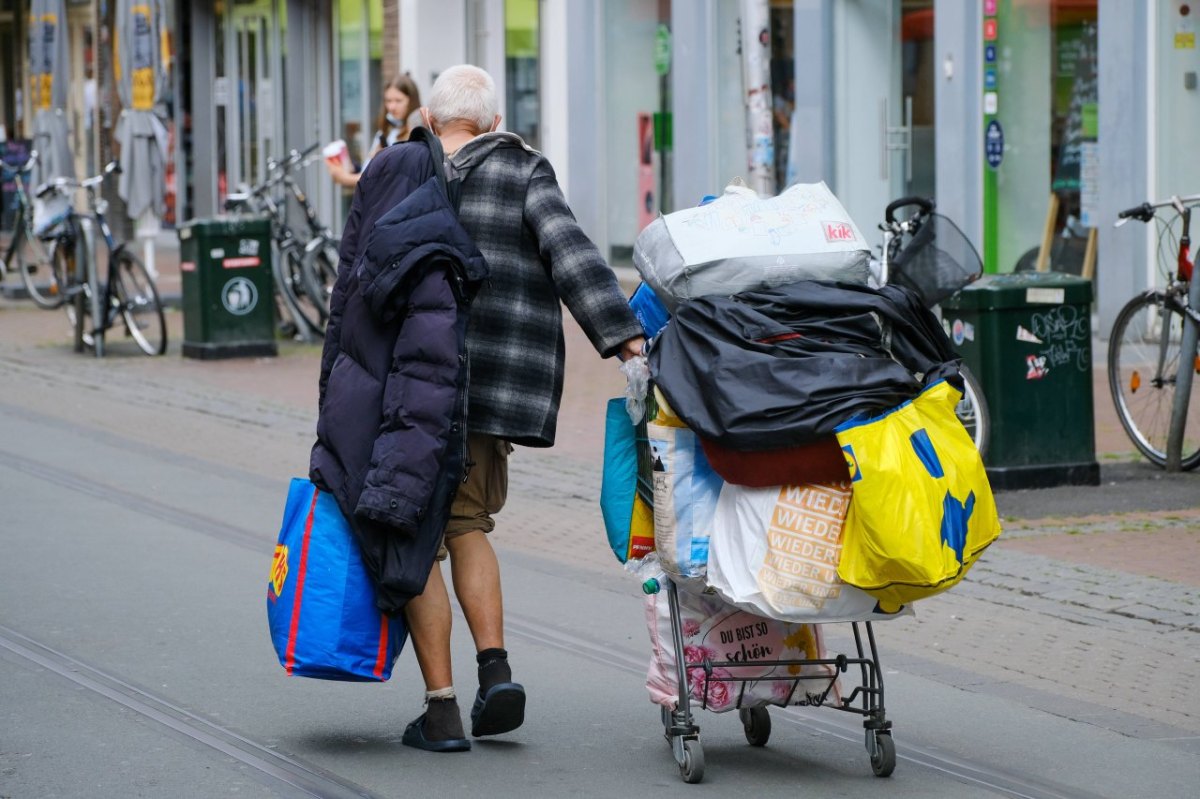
x=959, y=114
x=630, y=87
x=433, y=36
x=733, y=159
x=485, y=42
x=554, y=100
x=1178, y=114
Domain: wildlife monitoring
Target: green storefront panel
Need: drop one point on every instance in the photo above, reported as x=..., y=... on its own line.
x=228, y=294
x=1027, y=337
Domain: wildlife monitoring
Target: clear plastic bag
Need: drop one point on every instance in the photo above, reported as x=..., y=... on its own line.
x=637, y=385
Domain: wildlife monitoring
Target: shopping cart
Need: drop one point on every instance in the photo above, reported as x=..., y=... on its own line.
x=817, y=682
x=864, y=699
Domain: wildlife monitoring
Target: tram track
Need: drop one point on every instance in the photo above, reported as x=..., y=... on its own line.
x=286, y=771
x=276, y=768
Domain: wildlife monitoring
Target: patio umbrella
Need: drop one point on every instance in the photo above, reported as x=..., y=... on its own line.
x=139, y=65
x=48, y=87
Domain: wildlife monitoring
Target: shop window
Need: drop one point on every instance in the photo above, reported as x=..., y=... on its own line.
x=521, y=63
x=1040, y=106
x=917, y=56
x=783, y=87
x=636, y=82
x=359, y=37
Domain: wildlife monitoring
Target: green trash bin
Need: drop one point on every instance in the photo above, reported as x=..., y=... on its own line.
x=228, y=294
x=1028, y=338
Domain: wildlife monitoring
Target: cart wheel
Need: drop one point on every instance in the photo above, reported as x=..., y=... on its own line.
x=691, y=770
x=883, y=760
x=756, y=723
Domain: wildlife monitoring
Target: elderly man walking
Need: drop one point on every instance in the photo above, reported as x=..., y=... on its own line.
x=538, y=259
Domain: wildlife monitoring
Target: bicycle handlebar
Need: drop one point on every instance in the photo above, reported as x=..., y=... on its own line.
x=1145, y=211
x=13, y=171
x=61, y=185
x=925, y=204
x=1142, y=213
x=277, y=170
x=295, y=157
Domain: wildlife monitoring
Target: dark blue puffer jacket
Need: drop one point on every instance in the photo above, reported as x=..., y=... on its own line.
x=394, y=370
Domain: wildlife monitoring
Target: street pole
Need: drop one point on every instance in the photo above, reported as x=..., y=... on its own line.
x=1183, y=377
x=756, y=83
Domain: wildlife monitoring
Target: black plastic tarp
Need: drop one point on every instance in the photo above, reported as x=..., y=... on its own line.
x=782, y=367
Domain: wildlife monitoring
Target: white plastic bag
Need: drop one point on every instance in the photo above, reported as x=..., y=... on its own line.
x=740, y=242
x=775, y=551
x=49, y=212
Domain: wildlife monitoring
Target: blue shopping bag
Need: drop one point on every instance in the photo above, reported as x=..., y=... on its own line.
x=649, y=310
x=320, y=600
x=628, y=517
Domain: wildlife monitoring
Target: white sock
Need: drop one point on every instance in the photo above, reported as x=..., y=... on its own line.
x=440, y=693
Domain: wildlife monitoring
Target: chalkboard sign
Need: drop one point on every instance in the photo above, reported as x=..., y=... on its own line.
x=1081, y=114
x=14, y=152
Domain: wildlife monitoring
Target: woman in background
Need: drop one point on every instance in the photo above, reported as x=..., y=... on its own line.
x=401, y=99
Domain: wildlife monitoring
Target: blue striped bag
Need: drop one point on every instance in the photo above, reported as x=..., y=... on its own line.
x=320, y=599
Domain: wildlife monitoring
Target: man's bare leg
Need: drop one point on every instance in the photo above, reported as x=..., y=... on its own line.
x=439, y=728
x=500, y=704
x=429, y=623
x=476, y=575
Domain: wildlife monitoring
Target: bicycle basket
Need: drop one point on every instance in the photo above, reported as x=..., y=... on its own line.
x=937, y=262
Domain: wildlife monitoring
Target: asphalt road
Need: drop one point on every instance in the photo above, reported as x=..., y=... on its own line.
x=141, y=501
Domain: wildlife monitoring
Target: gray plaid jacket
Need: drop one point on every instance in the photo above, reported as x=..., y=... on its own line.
x=515, y=211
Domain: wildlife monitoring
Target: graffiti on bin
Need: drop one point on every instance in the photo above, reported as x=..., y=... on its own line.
x=1065, y=332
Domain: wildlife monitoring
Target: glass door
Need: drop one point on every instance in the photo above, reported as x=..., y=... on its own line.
x=872, y=117
x=248, y=85
x=916, y=74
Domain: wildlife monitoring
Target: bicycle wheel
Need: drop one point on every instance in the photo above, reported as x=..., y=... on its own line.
x=972, y=411
x=135, y=298
x=290, y=282
x=1143, y=362
x=77, y=294
x=40, y=270
x=320, y=273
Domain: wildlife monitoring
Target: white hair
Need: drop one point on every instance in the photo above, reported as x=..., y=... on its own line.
x=464, y=93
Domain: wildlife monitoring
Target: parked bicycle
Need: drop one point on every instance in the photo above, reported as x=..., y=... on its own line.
x=926, y=252
x=304, y=266
x=1152, y=361
x=128, y=294
x=28, y=254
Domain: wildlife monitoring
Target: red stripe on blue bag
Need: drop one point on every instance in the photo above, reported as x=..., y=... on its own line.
x=290, y=658
x=381, y=659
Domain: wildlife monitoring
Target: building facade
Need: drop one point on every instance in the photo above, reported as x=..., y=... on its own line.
x=1032, y=122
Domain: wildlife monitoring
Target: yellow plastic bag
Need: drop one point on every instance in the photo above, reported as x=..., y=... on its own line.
x=922, y=509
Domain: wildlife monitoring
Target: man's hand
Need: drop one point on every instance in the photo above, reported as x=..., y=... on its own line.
x=632, y=348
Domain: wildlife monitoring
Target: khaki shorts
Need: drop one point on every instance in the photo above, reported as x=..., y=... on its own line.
x=485, y=490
